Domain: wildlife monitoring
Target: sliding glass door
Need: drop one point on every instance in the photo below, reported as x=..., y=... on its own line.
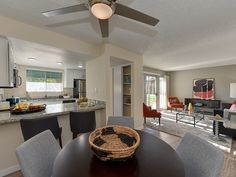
x=163, y=92
x=155, y=91
x=151, y=85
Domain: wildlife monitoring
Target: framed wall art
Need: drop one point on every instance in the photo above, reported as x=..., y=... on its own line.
x=204, y=88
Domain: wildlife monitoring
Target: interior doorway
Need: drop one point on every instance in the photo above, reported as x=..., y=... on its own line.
x=122, y=87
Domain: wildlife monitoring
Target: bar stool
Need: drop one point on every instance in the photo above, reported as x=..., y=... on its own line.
x=32, y=127
x=82, y=122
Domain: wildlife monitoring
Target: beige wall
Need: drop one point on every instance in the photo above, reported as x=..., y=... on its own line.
x=96, y=77
x=182, y=81
x=21, y=90
x=99, y=79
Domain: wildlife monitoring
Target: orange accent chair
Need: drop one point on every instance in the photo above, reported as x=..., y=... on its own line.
x=174, y=103
x=150, y=113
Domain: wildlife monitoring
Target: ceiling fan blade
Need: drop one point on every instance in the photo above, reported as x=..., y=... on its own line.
x=65, y=10
x=135, y=15
x=104, y=25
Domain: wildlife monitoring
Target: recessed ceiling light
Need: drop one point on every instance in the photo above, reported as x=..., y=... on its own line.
x=80, y=66
x=59, y=63
x=31, y=59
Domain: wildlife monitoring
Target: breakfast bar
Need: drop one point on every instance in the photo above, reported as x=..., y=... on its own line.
x=10, y=128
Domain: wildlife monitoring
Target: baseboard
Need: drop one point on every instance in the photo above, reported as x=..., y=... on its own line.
x=9, y=170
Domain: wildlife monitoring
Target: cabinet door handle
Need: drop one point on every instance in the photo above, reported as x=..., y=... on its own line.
x=20, y=80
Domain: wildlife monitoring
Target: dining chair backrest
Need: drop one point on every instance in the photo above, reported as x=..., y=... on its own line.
x=32, y=127
x=200, y=158
x=119, y=120
x=36, y=156
x=82, y=122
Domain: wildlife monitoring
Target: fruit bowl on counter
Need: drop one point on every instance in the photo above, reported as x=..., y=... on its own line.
x=26, y=108
x=82, y=102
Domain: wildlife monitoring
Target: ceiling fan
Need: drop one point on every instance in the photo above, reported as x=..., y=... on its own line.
x=103, y=10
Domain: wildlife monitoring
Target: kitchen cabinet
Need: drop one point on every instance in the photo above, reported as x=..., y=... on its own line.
x=7, y=64
x=71, y=74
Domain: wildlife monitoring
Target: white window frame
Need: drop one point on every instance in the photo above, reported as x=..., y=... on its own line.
x=45, y=70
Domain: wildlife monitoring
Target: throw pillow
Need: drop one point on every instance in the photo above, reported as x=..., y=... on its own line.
x=233, y=107
x=173, y=101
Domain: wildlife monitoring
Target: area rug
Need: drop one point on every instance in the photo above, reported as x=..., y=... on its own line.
x=203, y=129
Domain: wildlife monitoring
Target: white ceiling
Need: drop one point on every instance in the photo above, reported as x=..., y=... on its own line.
x=45, y=56
x=191, y=33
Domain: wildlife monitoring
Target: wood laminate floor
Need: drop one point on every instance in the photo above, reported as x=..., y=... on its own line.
x=229, y=169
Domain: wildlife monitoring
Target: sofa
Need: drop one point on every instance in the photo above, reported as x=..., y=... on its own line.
x=222, y=129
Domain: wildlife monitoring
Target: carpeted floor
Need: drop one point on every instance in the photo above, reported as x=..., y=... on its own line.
x=203, y=129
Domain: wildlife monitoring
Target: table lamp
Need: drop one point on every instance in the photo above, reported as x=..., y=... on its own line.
x=190, y=108
x=232, y=90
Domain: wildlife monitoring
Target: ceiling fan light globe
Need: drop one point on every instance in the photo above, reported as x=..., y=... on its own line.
x=101, y=11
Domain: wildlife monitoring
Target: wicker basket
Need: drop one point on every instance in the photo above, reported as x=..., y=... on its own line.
x=114, y=143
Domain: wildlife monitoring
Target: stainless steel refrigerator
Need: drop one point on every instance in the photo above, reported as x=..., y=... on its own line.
x=79, y=89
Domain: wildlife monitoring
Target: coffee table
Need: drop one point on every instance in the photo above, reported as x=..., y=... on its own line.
x=196, y=117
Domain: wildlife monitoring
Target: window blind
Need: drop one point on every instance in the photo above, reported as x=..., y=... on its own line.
x=35, y=76
x=43, y=81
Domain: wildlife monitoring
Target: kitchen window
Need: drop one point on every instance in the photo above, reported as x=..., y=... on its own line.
x=43, y=81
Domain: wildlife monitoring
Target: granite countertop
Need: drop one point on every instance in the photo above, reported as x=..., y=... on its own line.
x=53, y=109
x=46, y=100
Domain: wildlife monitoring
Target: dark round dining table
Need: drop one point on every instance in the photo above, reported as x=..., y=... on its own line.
x=153, y=158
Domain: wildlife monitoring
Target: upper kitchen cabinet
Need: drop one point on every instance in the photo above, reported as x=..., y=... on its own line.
x=71, y=74
x=7, y=64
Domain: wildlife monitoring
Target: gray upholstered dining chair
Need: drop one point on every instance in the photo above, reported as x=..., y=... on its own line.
x=119, y=120
x=200, y=158
x=36, y=156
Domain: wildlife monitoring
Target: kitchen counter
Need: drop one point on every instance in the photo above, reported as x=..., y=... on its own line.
x=11, y=136
x=48, y=101
x=51, y=109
